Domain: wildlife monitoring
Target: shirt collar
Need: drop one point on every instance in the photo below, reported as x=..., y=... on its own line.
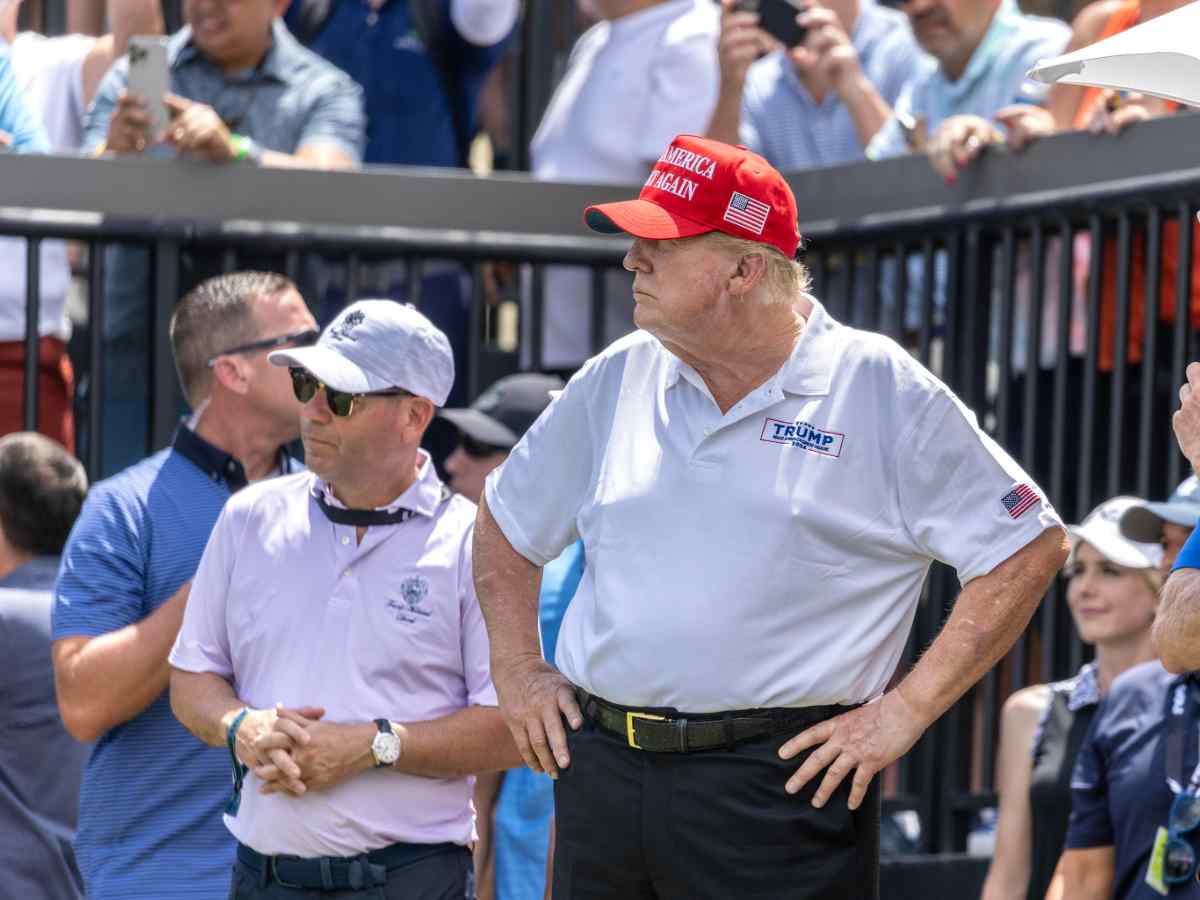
x=181, y=51
x=1005, y=21
x=808, y=371
x=1086, y=690
x=423, y=496
x=213, y=461
x=38, y=573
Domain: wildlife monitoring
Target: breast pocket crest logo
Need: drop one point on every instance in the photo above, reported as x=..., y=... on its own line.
x=409, y=606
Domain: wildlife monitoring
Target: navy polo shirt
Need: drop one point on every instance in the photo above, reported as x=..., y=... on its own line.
x=1119, y=791
x=408, y=100
x=150, y=805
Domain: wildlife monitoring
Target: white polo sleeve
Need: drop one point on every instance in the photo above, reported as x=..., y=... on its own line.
x=203, y=641
x=538, y=492
x=963, y=499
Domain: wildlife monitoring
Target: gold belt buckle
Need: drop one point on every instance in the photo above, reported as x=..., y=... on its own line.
x=630, y=717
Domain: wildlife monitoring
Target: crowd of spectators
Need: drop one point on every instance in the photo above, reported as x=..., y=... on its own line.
x=336, y=84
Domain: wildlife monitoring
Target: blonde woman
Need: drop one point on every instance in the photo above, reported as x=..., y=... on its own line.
x=1112, y=593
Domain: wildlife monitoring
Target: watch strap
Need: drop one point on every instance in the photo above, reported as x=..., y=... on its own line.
x=239, y=770
x=385, y=727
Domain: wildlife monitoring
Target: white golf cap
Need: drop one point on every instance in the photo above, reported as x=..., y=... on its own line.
x=1102, y=530
x=374, y=345
x=1144, y=521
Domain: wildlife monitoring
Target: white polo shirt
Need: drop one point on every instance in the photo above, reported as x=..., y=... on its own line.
x=290, y=609
x=631, y=85
x=769, y=557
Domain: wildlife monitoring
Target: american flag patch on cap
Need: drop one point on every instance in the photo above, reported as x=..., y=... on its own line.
x=747, y=213
x=1019, y=500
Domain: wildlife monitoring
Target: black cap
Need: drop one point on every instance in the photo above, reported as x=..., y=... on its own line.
x=504, y=412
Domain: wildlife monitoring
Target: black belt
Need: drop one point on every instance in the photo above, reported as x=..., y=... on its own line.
x=337, y=873
x=670, y=731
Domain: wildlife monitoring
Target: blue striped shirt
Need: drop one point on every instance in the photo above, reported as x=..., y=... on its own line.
x=782, y=122
x=150, y=806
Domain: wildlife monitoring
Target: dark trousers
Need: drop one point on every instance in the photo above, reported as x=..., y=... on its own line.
x=443, y=876
x=714, y=825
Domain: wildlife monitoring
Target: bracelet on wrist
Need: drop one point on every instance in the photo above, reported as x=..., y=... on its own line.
x=245, y=149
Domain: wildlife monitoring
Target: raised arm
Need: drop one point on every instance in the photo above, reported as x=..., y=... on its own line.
x=1176, y=633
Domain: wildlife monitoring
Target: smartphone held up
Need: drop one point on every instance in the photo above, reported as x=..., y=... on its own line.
x=149, y=77
x=778, y=19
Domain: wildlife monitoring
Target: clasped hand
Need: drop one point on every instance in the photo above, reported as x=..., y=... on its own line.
x=294, y=751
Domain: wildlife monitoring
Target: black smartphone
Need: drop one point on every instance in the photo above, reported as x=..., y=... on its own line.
x=778, y=19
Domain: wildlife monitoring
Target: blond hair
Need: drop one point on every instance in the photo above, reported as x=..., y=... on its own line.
x=785, y=279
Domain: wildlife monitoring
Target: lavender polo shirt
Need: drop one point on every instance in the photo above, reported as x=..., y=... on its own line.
x=288, y=608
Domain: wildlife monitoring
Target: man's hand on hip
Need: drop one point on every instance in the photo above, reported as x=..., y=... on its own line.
x=865, y=740
x=534, y=696
x=1186, y=420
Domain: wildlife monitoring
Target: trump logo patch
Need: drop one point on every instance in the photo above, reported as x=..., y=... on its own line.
x=804, y=436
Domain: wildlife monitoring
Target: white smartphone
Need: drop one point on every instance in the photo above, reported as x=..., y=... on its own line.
x=148, y=77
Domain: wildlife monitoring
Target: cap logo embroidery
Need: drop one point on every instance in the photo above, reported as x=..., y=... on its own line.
x=746, y=212
x=341, y=331
x=672, y=183
x=413, y=591
x=696, y=163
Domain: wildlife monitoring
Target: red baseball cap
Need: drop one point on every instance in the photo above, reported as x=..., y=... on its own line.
x=700, y=185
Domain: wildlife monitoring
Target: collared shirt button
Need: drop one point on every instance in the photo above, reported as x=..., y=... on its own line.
x=346, y=574
x=345, y=540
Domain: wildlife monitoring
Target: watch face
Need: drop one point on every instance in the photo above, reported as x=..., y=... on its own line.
x=386, y=748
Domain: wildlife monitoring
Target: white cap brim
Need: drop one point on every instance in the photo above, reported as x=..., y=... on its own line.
x=329, y=367
x=1111, y=546
x=1144, y=523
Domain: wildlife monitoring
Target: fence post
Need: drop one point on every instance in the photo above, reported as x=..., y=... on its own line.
x=165, y=396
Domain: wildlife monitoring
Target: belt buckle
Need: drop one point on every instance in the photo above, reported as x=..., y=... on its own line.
x=630, y=717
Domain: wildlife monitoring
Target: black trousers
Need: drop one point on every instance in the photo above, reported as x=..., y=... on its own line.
x=443, y=876
x=714, y=825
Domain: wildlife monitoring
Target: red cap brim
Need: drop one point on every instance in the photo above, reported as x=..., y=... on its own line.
x=642, y=219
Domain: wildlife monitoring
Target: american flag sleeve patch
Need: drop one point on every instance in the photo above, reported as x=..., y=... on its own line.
x=1019, y=500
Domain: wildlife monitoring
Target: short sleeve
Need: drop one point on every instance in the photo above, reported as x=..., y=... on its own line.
x=964, y=500
x=682, y=94
x=203, y=641
x=476, y=652
x=95, y=126
x=337, y=118
x=102, y=582
x=535, y=496
x=16, y=117
x=1091, y=823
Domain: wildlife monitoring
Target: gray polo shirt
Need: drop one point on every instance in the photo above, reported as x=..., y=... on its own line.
x=292, y=99
x=40, y=764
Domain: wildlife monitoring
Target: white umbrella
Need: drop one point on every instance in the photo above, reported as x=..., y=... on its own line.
x=1160, y=57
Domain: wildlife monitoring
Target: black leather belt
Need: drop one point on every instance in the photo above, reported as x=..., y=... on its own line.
x=670, y=731
x=336, y=873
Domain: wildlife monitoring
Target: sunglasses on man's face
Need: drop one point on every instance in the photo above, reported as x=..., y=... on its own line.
x=304, y=338
x=478, y=449
x=1179, y=861
x=341, y=403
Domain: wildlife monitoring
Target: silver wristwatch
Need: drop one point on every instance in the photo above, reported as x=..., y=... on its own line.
x=385, y=746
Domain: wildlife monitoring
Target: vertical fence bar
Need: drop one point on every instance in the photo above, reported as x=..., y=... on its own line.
x=96, y=386
x=816, y=268
x=291, y=265
x=164, y=388
x=1008, y=280
x=33, y=314
x=475, y=331
x=1146, y=423
x=1183, y=307
x=1083, y=500
x=846, y=314
x=599, y=303
x=1033, y=340
x=353, y=266
x=869, y=314
x=925, y=336
x=1116, y=422
x=535, y=328
x=899, y=295
x=229, y=260
x=416, y=281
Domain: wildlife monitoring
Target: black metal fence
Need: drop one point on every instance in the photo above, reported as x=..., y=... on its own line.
x=1053, y=291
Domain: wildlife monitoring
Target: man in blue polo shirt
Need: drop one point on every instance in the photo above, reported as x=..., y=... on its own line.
x=150, y=806
x=422, y=65
x=20, y=130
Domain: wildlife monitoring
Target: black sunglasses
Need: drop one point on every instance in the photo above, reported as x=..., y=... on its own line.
x=300, y=339
x=477, y=449
x=1179, y=861
x=341, y=403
